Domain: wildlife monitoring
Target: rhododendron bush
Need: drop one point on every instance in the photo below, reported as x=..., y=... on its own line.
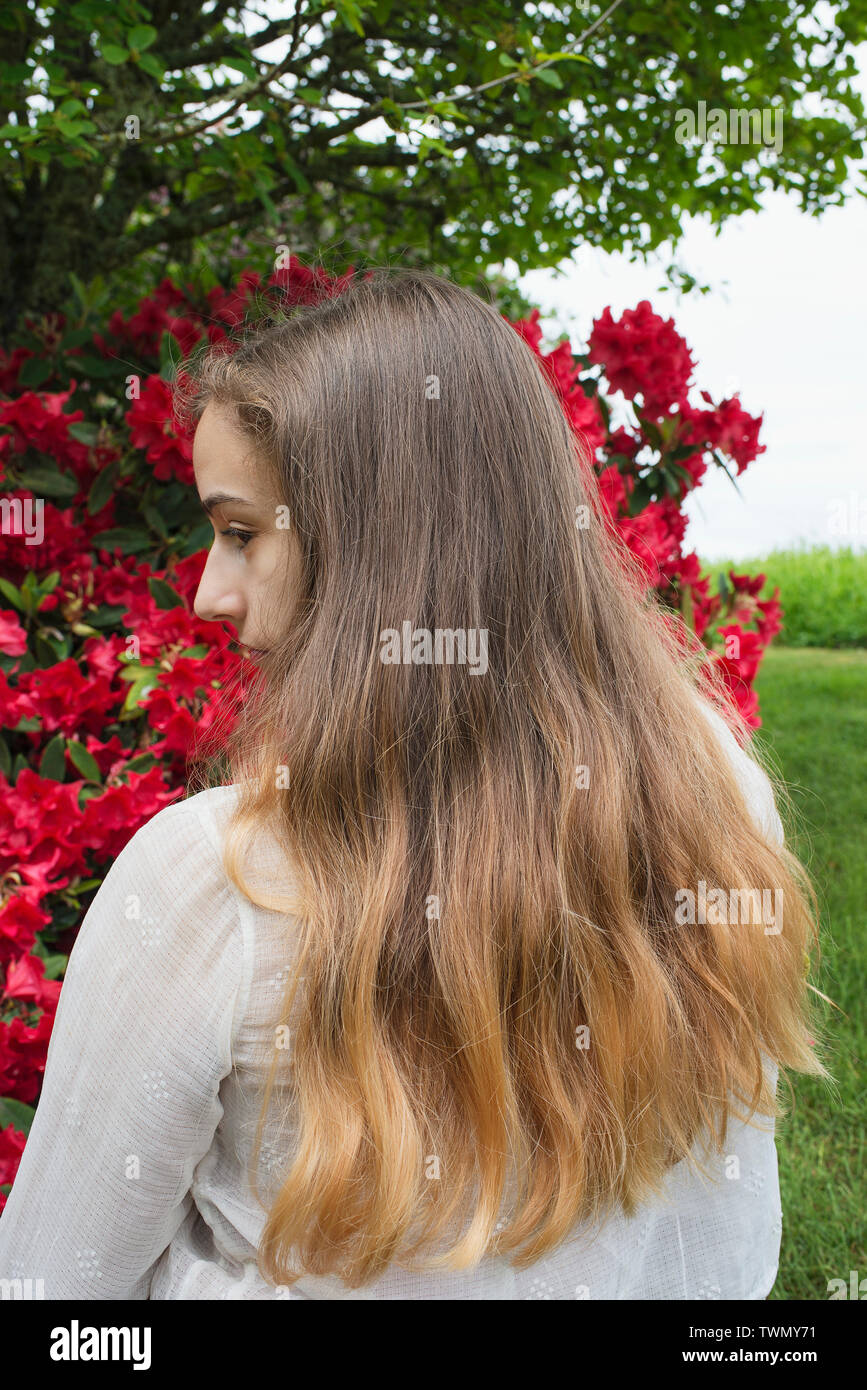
x=108, y=681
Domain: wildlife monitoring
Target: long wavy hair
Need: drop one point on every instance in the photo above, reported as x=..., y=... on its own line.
x=492, y=988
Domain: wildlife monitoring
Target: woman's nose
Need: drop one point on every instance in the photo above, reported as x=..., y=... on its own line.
x=216, y=599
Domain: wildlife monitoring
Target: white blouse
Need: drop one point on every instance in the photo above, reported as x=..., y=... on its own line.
x=133, y=1183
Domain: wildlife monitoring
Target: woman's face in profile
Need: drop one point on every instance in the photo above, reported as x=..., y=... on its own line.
x=245, y=570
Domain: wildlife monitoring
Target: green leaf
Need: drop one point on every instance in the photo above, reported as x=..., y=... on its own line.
x=13, y=595
x=84, y=761
x=720, y=460
x=16, y=1114
x=114, y=54
x=53, y=761
x=86, y=792
x=302, y=183
x=247, y=68
x=47, y=478
x=551, y=76
x=34, y=371
x=150, y=63
x=108, y=616
x=69, y=129
x=53, y=962
x=262, y=190
x=349, y=13
x=129, y=538
x=50, y=649
x=141, y=37
x=5, y=758
x=154, y=517
x=163, y=593
x=19, y=764
x=83, y=430
x=171, y=354
x=102, y=488
x=557, y=57
x=199, y=537
x=428, y=143
x=392, y=114
x=142, y=763
x=91, y=365
x=147, y=681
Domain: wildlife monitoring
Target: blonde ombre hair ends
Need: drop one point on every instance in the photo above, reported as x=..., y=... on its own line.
x=498, y=1027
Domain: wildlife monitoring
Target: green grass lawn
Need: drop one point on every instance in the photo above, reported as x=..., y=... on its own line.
x=813, y=704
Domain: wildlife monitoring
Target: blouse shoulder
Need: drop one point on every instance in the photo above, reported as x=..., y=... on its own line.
x=188, y=829
x=169, y=878
x=752, y=778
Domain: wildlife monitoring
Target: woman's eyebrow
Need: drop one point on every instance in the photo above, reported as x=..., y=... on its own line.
x=216, y=499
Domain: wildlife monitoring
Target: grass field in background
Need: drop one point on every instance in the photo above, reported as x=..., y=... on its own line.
x=823, y=593
x=813, y=705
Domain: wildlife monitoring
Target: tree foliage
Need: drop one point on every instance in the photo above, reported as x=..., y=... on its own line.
x=140, y=138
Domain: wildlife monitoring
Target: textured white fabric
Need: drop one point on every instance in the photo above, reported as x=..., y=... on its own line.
x=132, y=1184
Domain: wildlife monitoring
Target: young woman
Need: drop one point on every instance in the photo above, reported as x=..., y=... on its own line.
x=475, y=980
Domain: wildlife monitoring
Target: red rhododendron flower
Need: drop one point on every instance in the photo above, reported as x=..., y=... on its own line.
x=61, y=546
x=110, y=756
x=12, y=1143
x=25, y=979
x=155, y=314
x=22, y=1057
x=152, y=428
x=20, y=919
x=40, y=828
x=64, y=699
x=621, y=442
x=110, y=820
x=743, y=651
x=643, y=355
x=726, y=427
x=612, y=487
x=13, y=638
x=38, y=422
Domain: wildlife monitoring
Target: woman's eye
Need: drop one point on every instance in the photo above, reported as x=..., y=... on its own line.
x=244, y=537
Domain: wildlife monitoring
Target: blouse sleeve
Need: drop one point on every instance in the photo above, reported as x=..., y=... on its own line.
x=753, y=779
x=130, y=1097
